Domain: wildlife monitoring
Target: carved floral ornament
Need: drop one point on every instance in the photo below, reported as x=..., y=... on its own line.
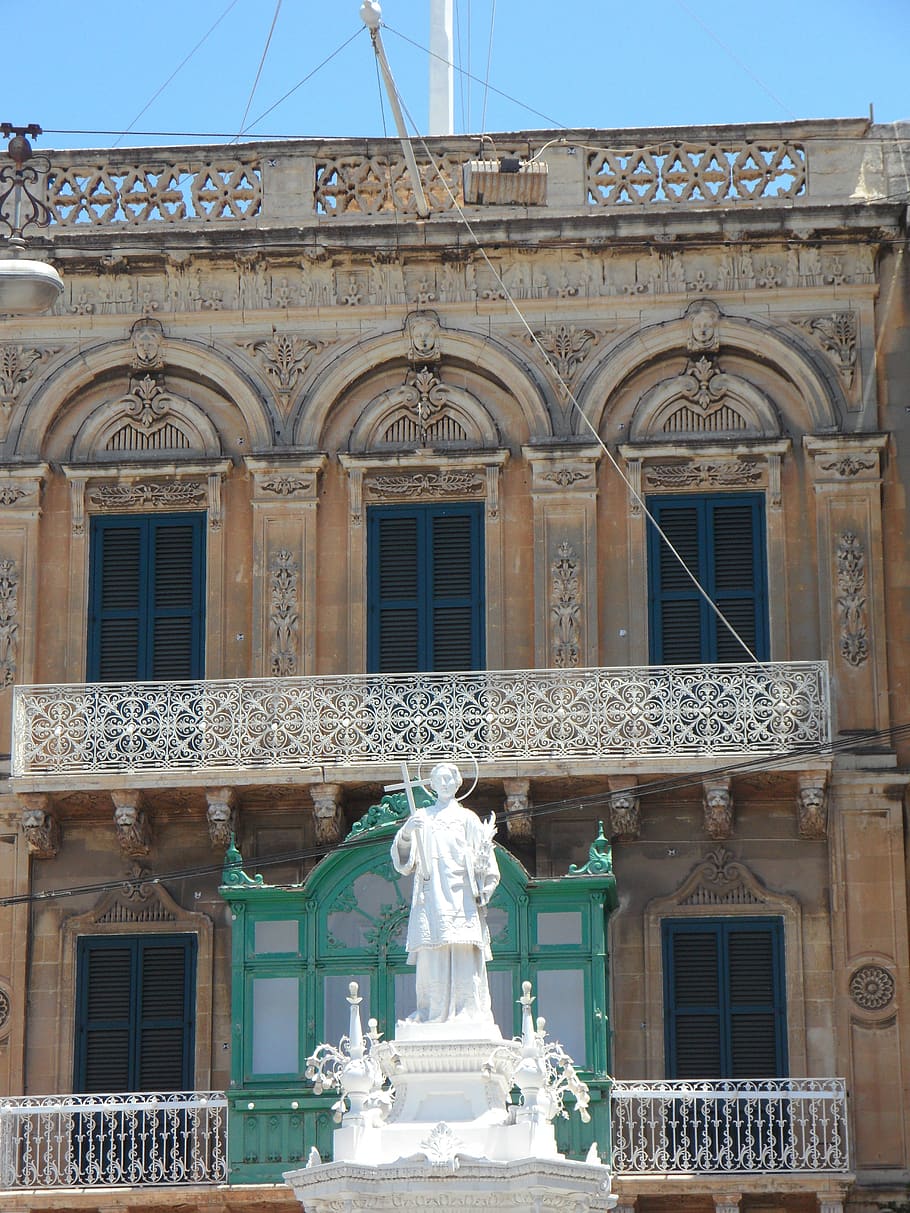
x=142, y=490
x=872, y=987
x=565, y=607
x=5, y=1010
x=850, y=564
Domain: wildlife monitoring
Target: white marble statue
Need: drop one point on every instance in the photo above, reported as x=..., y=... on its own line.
x=450, y=852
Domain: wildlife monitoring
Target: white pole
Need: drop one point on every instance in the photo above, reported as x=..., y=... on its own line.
x=442, y=96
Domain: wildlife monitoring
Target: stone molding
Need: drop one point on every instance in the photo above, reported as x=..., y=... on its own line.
x=140, y=488
x=671, y=467
x=423, y=476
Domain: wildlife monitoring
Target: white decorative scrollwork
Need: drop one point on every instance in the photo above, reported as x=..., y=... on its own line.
x=579, y=714
x=872, y=987
x=565, y=607
x=767, y=1126
x=850, y=560
x=79, y=1141
x=283, y=616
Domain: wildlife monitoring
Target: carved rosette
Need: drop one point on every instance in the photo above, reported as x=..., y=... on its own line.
x=519, y=821
x=39, y=826
x=872, y=987
x=850, y=563
x=6, y=1007
x=133, y=830
x=718, y=808
x=565, y=607
x=328, y=813
x=9, y=621
x=283, y=614
x=221, y=817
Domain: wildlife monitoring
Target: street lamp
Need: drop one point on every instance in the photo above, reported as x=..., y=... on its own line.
x=26, y=286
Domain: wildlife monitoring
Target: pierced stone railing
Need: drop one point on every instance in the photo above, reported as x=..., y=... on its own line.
x=70, y=1141
x=792, y=1126
x=102, y=194
x=370, y=719
x=720, y=173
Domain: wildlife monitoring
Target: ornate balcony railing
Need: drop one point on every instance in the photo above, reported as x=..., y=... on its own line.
x=795, y=1125
x=68, y=1141
x=370, y=719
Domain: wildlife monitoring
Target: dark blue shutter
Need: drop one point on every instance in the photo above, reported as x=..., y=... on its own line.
x=135, y=1013
x=724, y=1004
x=147, y=598
x=425, y=588
x=721, y=539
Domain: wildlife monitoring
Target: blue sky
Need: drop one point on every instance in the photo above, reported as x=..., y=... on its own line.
x=575, y=63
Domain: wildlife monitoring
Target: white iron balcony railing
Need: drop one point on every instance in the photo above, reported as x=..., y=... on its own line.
x=371, y=719
x=769, y=1126
x=68, y=1141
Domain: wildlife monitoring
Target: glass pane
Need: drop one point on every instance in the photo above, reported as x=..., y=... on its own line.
x=276, y=1014
x=279, y=936
x=561, y=1000
x=562, y=927
x=336, y=1009
x=405, y=997
x=505, y=988
x=498, y=924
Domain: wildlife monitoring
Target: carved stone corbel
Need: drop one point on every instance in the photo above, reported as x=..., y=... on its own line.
x=718, y=808
x=133, y=832
x=625, y=809
x=812, y=804
x=39, y=825
x=221, y=816
x=328, y=812
x=519, y=822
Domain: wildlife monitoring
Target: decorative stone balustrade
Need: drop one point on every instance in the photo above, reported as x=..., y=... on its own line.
x=75, y=1141
x=766, y=1126
x=371, y=719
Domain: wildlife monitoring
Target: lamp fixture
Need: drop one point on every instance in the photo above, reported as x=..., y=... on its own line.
x=26, y=286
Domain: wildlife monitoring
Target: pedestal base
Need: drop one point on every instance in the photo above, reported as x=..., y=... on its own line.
x=528, y=1186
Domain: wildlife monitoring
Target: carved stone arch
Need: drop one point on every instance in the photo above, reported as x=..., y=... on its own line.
x=139, y=906
x=772, y=346
x=353, y=361
x=48, y=395
x=147, y=422
x=721, y=886
x=425, y=412
x=670, y=411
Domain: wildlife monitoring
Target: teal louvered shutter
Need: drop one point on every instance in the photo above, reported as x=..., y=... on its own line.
x=135, y=999
x=147, y=598
x=722, y=542
x=724, y=1005
x=425, y=588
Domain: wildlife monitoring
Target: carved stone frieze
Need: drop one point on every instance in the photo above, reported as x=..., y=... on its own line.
x=18, y=364
x=718, y=808
x=284, y=616
x=9, y=621
x=519, y=821
x=848, y=466
x=130, y=819
x=812, y=804
x=836, y=333
x=872, y=987
x=328, y=812
x=565, y=607
x=221, y=817
x=287, y=486
x=39, y=826
x=284, y=357
x=850, y=564
x=446, y=483
x=11, y=493
x=148, y=494
x=625, y=809
x=704, y=472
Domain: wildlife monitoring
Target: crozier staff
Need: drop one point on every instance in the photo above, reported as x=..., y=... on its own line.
x=449, y=851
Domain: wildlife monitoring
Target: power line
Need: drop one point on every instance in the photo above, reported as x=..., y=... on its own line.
x=265, y=51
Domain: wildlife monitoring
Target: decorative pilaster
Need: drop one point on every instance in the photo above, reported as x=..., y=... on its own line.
x=564, y=496
x=327, y=810
x=133, y=830
x=847, y=476
x=221, y=816
x=718, y=808
x=519, y=822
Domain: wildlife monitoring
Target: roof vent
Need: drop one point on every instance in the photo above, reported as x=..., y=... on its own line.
x=505, y=182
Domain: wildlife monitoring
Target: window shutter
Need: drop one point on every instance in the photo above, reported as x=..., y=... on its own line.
x=105, y=1014
x=165, y=1016
x=694, y=962
x=175, y=615
x=116, y=591
x=453, y=565
x=753, y=983
x=393, y=593
x=735, y=574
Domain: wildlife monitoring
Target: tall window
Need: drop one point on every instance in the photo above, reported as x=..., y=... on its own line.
x=146, y=598
x=135, y=1010
x=724, y=1001
x=721, y=538
x=425, y=588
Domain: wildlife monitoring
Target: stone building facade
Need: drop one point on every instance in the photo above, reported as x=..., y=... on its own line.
x=281, y=436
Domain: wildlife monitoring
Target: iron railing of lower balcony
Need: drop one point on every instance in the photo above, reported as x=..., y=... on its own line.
x=353, y=719
x=794, y=1125
x=56, y=1141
